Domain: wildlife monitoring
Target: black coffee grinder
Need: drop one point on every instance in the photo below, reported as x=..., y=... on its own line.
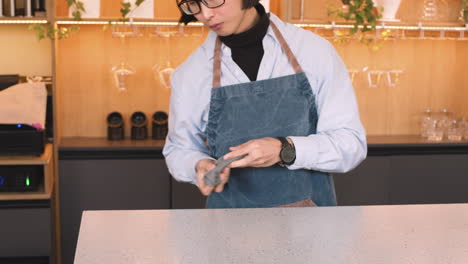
x=160, y=122
x=115, y=126
x=139, y=127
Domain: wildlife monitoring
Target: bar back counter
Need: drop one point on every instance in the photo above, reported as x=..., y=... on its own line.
x=101, y=175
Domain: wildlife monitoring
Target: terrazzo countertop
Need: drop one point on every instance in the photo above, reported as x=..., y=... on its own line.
x=400, y=234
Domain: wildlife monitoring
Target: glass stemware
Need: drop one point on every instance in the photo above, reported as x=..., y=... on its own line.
x=163, y=73
x=123, y=70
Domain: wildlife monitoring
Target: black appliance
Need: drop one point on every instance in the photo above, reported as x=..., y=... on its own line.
x=160, y=122
x=139, y=126
x=115, y=126
x=21, y=178
x=8, y=80
x=21, y=139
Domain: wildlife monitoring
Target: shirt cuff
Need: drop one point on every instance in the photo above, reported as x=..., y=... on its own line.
x=307, y=152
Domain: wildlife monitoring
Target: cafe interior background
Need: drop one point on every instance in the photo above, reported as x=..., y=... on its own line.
x=105, y=109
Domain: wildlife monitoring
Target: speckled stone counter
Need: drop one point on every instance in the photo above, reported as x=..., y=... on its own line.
x=413, y=234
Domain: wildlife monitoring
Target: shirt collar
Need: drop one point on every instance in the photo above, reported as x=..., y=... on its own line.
x=209, y=44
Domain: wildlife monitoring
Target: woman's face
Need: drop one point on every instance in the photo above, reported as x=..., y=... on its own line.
x=227, y=19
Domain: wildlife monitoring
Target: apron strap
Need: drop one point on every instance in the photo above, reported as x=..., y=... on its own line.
x=217, y=64
x=291, y=58
x=289, y=54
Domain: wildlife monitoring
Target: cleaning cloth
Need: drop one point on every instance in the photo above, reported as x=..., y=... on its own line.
x=212, y=178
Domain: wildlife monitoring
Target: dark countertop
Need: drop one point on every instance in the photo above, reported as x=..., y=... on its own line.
x=101, y=148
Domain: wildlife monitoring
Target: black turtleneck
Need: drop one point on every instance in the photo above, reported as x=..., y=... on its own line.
x=247, y=47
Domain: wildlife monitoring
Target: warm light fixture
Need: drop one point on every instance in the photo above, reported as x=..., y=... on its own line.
x=21, y=21
x=311, y=25
x=417, y=27
x=136, y=23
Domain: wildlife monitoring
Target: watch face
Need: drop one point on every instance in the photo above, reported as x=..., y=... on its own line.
x=288, y=154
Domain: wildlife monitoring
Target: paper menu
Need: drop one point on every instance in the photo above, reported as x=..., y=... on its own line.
x=24, y=103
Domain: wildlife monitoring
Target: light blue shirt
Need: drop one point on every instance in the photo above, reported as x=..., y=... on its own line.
x=340, y=142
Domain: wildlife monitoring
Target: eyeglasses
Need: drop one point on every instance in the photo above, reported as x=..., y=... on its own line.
x=192, y=7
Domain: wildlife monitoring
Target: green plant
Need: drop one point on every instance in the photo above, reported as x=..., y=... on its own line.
x=126, y=8
x=51, y=31
x=362, y=13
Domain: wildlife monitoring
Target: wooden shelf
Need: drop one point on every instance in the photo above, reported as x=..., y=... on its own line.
x=45, y=189
x=38, y=195
x=45, y=158
x=77, y=142
x=388, y=25
x=406, y=139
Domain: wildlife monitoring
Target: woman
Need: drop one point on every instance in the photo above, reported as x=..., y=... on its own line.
x=265, y=89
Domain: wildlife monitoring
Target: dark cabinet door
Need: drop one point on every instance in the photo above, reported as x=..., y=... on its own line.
x=429, y=179
x=108, y=185
x=25, y=232
x=368, y=184
x=186, y=196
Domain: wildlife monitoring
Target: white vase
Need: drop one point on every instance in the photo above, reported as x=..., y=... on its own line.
x=92, y=9
x=390, y=9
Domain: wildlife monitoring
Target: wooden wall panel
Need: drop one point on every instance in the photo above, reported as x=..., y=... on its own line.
x=277, y=7
x=84, y=80
x=433, y=78
x=462, y=77
x=61, y=8
x=21, y=52
x=110, y=8
x=164, y=9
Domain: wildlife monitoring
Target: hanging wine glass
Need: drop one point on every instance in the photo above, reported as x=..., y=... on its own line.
x=120, y=73
x=123, y=70
x=164, y=72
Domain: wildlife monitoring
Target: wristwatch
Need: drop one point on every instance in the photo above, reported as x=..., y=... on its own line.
x=287, y=153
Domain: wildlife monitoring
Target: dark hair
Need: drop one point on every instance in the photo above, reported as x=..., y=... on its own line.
x=190, y=18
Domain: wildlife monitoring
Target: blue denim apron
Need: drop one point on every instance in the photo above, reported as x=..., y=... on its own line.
x=283, y=106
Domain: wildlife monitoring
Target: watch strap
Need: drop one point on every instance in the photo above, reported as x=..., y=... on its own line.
x=285, y=143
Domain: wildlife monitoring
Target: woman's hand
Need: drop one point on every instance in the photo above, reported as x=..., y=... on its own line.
x=263, y=152
x=204, y=166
